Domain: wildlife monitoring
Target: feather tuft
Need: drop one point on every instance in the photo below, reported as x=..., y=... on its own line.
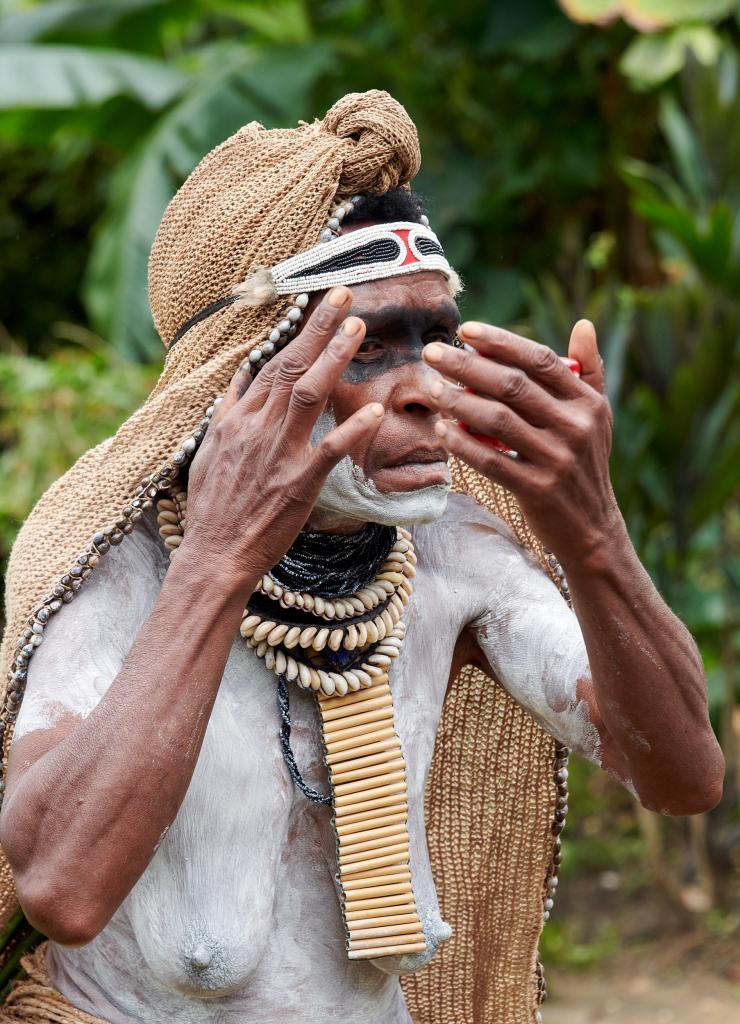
x=258, y=289
x=455, y=283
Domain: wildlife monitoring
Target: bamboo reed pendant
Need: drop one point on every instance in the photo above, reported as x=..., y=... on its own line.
x=368, y=778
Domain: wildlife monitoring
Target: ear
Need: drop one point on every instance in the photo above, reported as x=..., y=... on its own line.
x=583, y=347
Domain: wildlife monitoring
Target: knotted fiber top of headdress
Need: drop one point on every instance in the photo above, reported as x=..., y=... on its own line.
x=386, y=153
x=263, y=196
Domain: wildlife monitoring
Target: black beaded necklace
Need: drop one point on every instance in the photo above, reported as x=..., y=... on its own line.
x=334, y=564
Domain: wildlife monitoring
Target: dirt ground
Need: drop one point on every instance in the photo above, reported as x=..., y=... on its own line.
x=640, y=998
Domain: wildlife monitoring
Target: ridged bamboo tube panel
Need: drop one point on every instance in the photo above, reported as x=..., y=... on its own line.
x=382, y=940
x=380, y=890
x=335, y=744
x=389, y=900
x=375, y=862
x=360, y=798
x=351, y=752
x=372, y=924
x=356, y=857
x=370, y=913
x=330, y=704
x=374, y=837
x=396, y=800
x=368, y=779
x=363, y=817
x=353, y=885
x=373, y=764
x=397, y=950
x=370, y=820
x=359, y=876
x=381, y=778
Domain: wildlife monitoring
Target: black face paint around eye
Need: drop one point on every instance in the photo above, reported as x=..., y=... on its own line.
x=387, y=357
x=396, y=339
x=390, y=357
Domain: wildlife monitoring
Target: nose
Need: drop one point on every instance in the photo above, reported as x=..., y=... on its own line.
x=411, y=389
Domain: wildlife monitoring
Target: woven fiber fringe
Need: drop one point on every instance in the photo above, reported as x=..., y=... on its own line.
x=35, y=1000
x=489, y=807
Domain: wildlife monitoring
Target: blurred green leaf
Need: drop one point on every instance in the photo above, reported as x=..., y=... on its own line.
x=75, y=16
x=684, y=146
x=51, y=411
x=248, y=86
x=280, y=22
x=652, y=59
x=647, y=14
x=55, y=76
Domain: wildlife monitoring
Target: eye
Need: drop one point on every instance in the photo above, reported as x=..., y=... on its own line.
x=371, y=350
x=440, y=334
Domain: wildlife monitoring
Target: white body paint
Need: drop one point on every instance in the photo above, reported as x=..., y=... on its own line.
x=348, y=492
x=236, y=919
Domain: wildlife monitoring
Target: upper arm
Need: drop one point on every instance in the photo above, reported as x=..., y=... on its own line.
x=533, y=643
x=85, y=646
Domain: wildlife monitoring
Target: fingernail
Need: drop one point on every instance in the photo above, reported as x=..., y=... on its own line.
x=351, y=325
x=433, y=352
x=440, y=429
x=436, y=388
x=376, y=410
x=338, y=296
x=472, y=328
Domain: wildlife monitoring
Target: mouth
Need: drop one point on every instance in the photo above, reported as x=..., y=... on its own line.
x=418, y=457
x=413, y=469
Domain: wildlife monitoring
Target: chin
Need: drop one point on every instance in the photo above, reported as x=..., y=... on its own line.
x=346, y=492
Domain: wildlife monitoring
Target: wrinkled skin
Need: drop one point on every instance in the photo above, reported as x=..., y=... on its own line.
x=89, y=799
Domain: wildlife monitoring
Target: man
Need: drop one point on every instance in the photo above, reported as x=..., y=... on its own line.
x=158, y=827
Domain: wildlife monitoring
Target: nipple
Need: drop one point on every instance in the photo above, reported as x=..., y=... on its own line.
x=201, y=957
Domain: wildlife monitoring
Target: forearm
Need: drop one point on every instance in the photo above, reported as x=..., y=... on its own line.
x=83, y=822
x=648, y=680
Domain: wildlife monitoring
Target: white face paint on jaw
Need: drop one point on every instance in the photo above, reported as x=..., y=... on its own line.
x=348, y=493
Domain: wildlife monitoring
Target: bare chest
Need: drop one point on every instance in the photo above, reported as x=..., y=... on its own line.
x=240, y=900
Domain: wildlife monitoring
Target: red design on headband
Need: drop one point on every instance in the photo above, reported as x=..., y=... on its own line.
x=403, y=234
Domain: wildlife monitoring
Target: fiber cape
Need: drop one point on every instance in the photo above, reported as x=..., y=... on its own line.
x=259, y=198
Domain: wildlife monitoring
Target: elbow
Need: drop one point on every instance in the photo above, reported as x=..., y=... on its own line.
x=63, y=919
x=685, y=795
x=55, y=900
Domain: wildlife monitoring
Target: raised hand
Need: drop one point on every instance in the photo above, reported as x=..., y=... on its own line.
x=256, y=477
x=560, y=426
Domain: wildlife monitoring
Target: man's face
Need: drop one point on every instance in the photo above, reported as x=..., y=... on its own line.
x=401, y=315
x=400, y=472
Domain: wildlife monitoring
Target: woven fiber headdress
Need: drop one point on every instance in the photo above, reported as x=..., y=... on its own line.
x=261, y=200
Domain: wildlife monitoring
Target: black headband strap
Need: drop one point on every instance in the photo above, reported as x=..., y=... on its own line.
x=201, y=315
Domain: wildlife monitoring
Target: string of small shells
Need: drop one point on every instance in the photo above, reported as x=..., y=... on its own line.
x=279, y=335
x=560, y=778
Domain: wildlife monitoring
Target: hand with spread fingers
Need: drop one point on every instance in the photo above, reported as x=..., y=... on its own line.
x=260, y=434
x=559, y=426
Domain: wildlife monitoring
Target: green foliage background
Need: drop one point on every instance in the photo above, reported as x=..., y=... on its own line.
x=579, y=159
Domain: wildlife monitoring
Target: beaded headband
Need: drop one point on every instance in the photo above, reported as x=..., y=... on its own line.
x=367, y=254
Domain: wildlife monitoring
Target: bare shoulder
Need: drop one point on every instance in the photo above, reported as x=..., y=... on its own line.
x=469, y=543
x=86, y=643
